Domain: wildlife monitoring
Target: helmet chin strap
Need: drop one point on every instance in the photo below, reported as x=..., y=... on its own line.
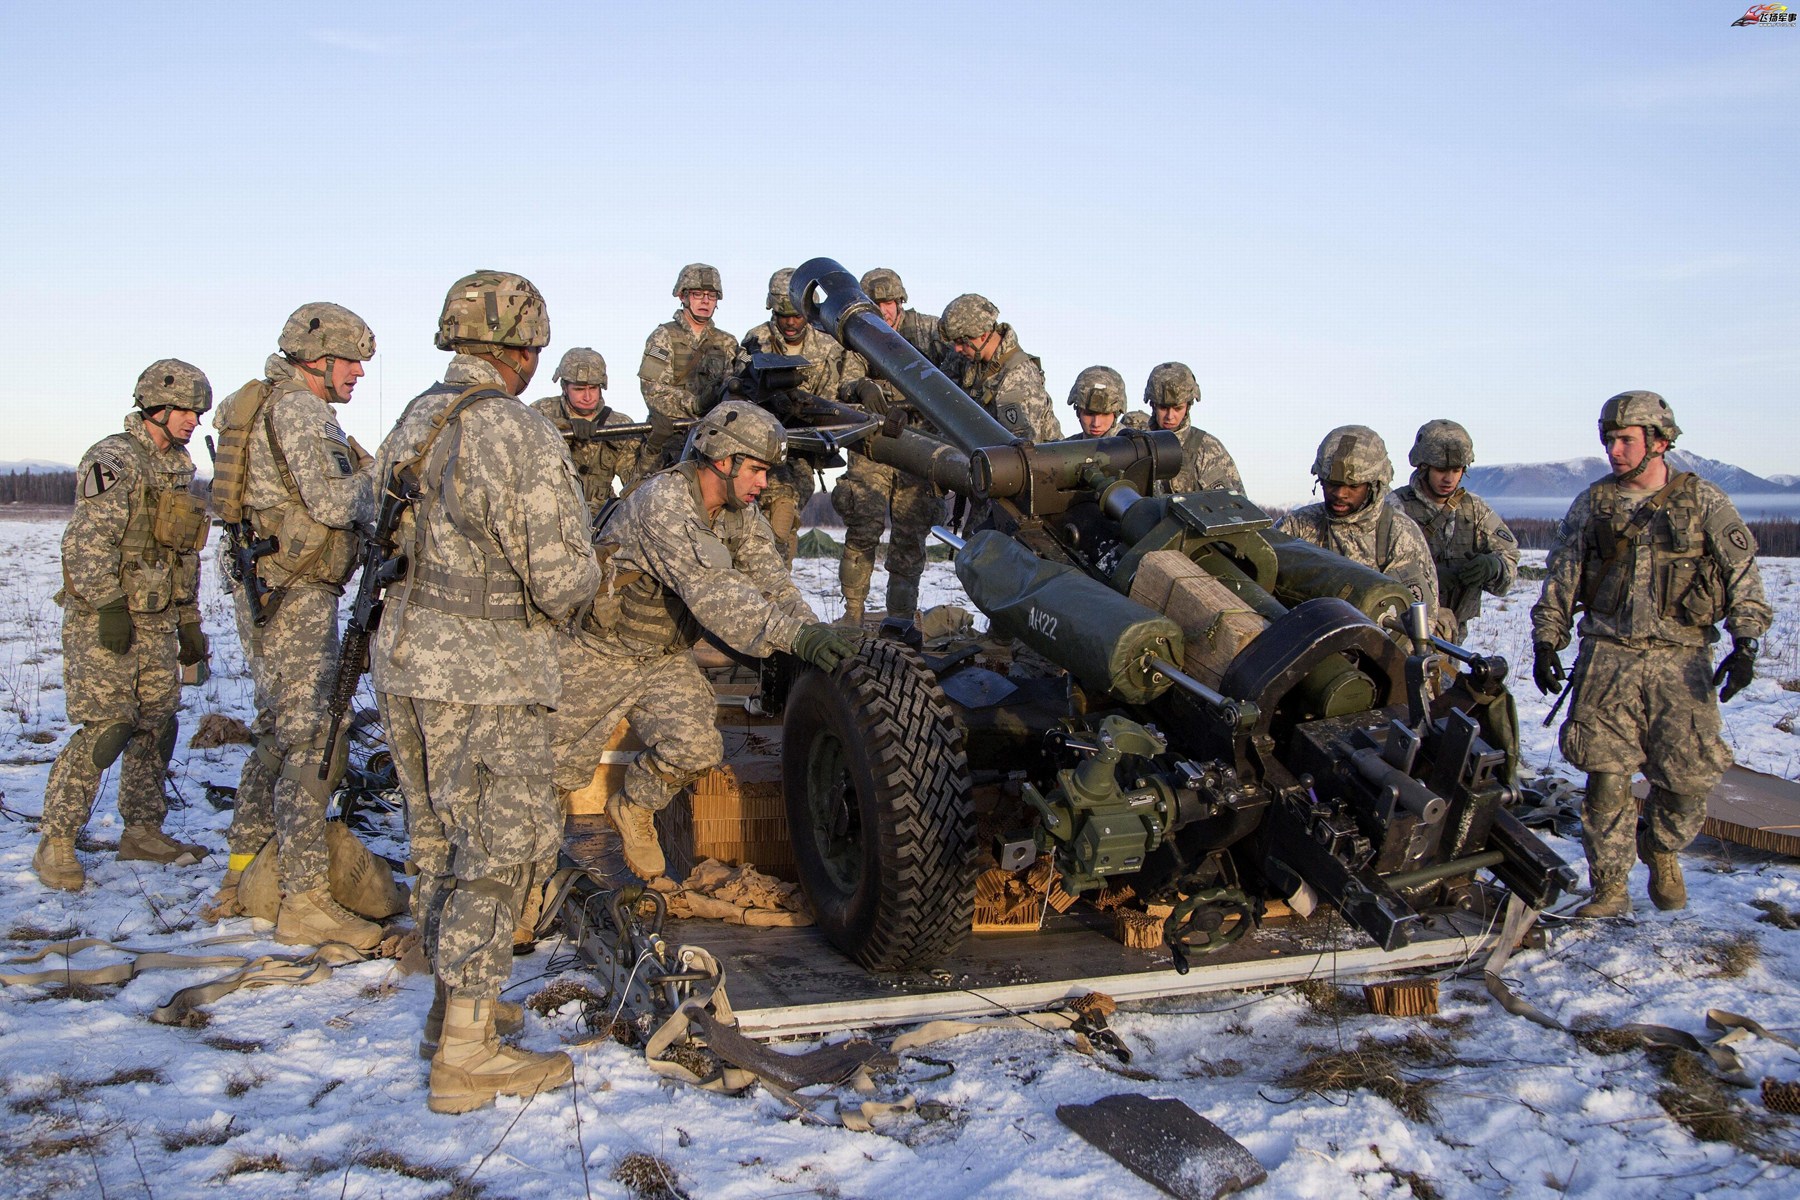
x=733, y=502
x=324, y=377
x=1643, y=464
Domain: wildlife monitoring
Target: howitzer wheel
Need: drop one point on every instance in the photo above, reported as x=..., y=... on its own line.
x=876, y=781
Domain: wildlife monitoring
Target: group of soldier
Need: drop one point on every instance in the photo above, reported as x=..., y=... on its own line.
x=539, y=607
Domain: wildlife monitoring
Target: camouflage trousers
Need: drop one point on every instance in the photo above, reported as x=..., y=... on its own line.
x=1610, y=825
x=1646, y=708
x=669, y=704
x=253, y=816
x=790, y=487
x=480, y=812
x=125, y=705
x=871, y=496
x=298, y=649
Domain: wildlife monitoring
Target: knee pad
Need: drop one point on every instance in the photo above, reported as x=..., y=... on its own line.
x=165, y=738
x=109, y=743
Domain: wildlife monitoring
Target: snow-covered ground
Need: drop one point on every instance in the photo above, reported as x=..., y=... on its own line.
x=317, y=1091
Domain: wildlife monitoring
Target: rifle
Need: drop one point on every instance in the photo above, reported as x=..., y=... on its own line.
x=383, y=565
x=245, y=549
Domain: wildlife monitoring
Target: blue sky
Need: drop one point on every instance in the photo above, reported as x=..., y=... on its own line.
x=1381, y=214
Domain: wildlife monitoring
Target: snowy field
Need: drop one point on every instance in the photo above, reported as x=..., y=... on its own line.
x=317, y=1091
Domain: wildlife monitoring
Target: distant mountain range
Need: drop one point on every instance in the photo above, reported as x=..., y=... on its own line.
x=34, y=466
x=1568, y=479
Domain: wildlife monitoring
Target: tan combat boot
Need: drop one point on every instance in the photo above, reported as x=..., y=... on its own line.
x=56, y=864
x=471, y=1066
x=314, y=918
x=1610, y=899
x=147, y=843
x=1668, y=890
x=637, y=834
x=509, y=1018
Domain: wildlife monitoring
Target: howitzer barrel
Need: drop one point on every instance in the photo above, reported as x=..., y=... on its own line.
x=832, y=299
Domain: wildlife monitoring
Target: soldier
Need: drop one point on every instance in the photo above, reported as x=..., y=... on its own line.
x=687, y=550
x=464, y=665
x=1171, y=393
x=871, y=495
x=306, y=485
x=686, y=361
x=578, y=416
x=830, y=371
x=1654, y=559
x=131, y=620
x=1471, y=546
x=1352, y=466
x=996, y=372
x=1098, y=398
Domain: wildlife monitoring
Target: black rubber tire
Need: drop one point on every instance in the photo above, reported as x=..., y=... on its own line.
x=876, y=781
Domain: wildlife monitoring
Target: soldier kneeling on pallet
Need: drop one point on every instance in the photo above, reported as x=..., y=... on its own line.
x=685, y=551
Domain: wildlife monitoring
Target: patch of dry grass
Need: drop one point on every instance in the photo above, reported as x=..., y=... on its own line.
x=239, y=1085
x=647, y=1177
x=1776, y=914
x=1732, y=956
x=1696, y=1100
x=1329, y=1002
x=397, y=1163
x=593, y=1005
x=233, y=1045
x=208, y=1134
x=38, y=933
x=37, y=1149
x=253, y=1164
x=1378, y=1067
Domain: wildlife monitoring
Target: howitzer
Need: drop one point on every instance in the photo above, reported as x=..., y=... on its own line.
x=1228, y=716
x=245, y=548
x=382, y=565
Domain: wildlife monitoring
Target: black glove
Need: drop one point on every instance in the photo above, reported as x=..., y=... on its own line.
x=115, y=626
x=823, y=646
x=1481, y=570
x=868, y=394
x=192, y=641
x=1738, y=669
x=1547, y=669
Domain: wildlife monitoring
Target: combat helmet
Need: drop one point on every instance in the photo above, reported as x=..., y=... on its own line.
x=493, y=308
x=698, y=277
x=582, y=367
x=779, y=302
x=324, y=330
x=1640, y=408
x=1442, y=444
x=171, y=383
x=1098, y=390
x=968, y=316
x=1354, y=454
x=1171, y=385
x=882, y=284
x=738, y=427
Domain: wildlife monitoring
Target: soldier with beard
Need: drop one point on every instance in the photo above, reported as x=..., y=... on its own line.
x=1353, y=467
x=1471, y=547
x=1653, y=559
x=131, y=620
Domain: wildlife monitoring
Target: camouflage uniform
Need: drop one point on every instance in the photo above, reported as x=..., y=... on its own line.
x=115, y=546
x=1377, y=534
x=673, y=570
x=871, y=496
x=1457, y=530
x=1011, y=386
x=1205, y=463
x=1644, y=689
x=253, y=814
x=597, y=463
x=464, y=662
x=683, y=372
x=306, y=484
x=1098, y=390
x=792, y=483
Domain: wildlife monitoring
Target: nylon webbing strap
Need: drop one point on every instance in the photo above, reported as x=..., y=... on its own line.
x=468, y=595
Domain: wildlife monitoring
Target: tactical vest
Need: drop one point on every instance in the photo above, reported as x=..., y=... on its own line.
x=637, y=606
x=497, y=593
x=307, y=551
x=685, y=352
x=1687, y=583
x=166, y=522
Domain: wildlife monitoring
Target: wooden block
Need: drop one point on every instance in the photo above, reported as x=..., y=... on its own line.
x=621, y=748
x=1009, y=902
x=1215, y=622
x=1139, y=930
x=1402, y=997
x=736, y=814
